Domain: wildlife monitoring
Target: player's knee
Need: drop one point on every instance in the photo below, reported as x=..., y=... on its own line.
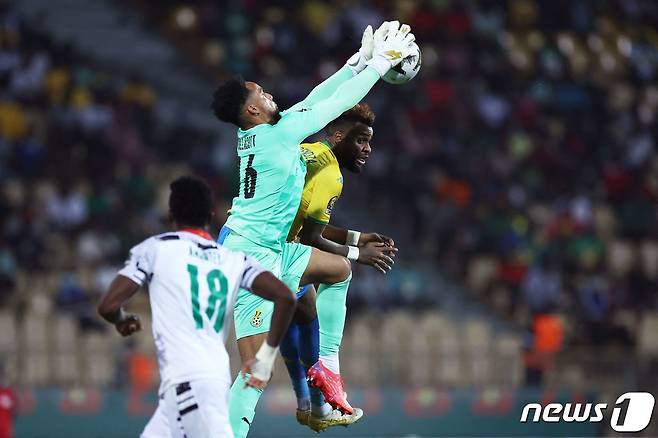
x=344, y=270
x=306, y=312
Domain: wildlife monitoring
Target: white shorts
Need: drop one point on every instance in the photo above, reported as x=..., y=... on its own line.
x=196, y=409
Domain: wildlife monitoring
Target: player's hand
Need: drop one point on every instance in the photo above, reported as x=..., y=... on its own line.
x=251, y=368
x=390, y=49
x=375, y=237
x=378, y=255
x=357, y=62
x=128, y=325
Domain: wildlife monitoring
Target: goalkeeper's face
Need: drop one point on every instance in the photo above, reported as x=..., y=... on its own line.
x=260, y=104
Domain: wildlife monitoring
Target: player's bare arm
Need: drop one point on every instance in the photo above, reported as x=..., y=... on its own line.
x=350, y=237
x=111, y=304
x=377, y=254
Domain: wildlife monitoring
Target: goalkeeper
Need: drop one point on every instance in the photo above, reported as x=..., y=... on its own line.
x=272, y=174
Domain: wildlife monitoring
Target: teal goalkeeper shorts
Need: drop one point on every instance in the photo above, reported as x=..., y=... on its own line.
x=253, y=314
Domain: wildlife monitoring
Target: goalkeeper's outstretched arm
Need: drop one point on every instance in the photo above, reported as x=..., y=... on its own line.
x=355, y=65
x=325, y=89
x=307, y=121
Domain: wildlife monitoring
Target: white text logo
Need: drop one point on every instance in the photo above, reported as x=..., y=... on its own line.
x=632, y=412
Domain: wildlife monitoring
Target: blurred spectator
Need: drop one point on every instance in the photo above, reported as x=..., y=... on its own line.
x=66, y=208
x=8, y=272
x=71, y=298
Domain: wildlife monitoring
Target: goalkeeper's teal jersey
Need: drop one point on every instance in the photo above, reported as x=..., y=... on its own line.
x=272, y=174
x=272, y=170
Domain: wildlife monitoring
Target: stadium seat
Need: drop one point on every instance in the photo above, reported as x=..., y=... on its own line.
x=648, y=334
x=477, y=345
x=97, y=363
x=357, y=353
x=508, y=362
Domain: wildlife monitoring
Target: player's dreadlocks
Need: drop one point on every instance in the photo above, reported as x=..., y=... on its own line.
x=191, y=201
x=228, y=100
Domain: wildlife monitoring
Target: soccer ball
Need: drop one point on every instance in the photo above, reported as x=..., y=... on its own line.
x=406, y=70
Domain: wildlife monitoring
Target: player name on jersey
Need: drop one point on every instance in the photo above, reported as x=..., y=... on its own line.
x=247, y=142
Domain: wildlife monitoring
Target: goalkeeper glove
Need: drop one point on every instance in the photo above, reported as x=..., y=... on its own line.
x=357, y=62
x=390, y=49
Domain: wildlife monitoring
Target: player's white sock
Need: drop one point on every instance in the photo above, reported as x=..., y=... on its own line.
x=304, y=404
x=331, y=362
x=321, y=411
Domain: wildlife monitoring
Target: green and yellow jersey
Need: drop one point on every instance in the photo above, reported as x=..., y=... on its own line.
x=322, y=186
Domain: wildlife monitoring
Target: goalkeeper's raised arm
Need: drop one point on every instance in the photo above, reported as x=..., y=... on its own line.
x=389, y=48
x=246, y=104
x=355, y=65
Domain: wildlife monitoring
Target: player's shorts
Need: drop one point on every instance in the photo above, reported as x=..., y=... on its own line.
x=195, y=409
x=303, y=290
x=253, y=314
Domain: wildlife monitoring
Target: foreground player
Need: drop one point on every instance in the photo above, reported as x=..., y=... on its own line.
x=272, y=178
x=347, y=146
x=192, y=285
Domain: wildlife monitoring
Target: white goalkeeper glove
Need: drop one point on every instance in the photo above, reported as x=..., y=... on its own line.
x=390, y=49
x=357, y=62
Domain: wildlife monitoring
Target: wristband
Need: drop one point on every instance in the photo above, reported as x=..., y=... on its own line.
x=267, y=354
x=356, y=63
x=380, y=64
x=262, y=369
x=352, y=238
x=353, y=253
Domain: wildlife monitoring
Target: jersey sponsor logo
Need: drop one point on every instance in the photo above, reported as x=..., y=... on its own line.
x=257, y=319
x=247, y=142
x=330, y=205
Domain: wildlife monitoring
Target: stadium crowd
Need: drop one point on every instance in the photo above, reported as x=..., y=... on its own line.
x=521, y=162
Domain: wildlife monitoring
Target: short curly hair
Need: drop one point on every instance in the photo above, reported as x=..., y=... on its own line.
x=228, y=100
x=191, y=201
x=361, y=112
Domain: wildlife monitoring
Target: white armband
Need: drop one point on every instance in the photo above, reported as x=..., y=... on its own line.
x=352, y=238
x=353, y=253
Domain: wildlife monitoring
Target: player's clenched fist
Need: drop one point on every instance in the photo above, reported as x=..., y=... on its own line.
x=128, y=325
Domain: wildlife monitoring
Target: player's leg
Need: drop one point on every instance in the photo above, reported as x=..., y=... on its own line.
x=300, y=349
x=252, y=316
x=158, y=426
x=309, y=340
x=217, y=409
x=242, y=398
x=198, y=409
x=307, y=265
x=334, y=272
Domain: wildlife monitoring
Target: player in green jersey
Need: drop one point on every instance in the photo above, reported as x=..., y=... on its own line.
x=272, y=174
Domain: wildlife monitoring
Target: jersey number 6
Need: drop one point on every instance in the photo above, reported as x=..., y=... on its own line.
x=250, y=175
x=218, y=287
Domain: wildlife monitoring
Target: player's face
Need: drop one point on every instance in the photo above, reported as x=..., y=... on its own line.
x=356, y=147
x=261, y=102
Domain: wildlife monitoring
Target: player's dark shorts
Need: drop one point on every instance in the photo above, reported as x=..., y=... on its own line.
x=302, y=291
